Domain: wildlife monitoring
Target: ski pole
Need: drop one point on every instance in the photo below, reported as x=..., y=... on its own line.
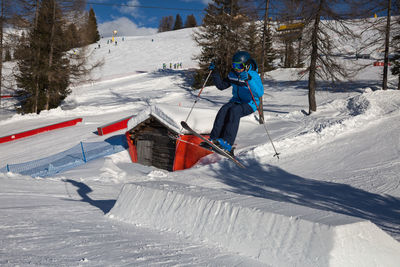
x=198, y=96
x=263, y=122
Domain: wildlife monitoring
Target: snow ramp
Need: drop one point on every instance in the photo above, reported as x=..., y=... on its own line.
x=275, y=233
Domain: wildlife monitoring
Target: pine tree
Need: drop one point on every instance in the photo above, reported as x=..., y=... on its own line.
x=220, y=36
x=178, y=23
x=44, y=69
x=72, y=37
x=395, y=60
x=29, y=73
x=270, y=53
x=19, y=52
x=252, y=38
x=321, y=17
x=387, y=44
x=190, y=21
x=58, y=65
x=92, y=32
x=166, y=24
x=396, y=66
x=6, y=12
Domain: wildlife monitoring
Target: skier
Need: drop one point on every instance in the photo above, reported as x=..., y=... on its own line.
x=246, y=86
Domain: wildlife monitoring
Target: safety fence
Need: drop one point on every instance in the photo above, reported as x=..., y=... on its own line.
x=71, y=158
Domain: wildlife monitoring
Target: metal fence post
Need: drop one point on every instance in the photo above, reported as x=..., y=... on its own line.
x=83, y=153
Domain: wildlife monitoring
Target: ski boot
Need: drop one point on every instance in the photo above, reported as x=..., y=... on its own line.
x=207, y=145
x=224, y=145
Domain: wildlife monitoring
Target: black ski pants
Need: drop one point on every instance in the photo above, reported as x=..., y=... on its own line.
x=226, y=124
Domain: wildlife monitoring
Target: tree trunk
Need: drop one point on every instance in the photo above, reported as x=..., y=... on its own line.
x=36, y=13
x=313, y=63
x=36, y=100
x=398, y=84
x=299, y=53
x=286, y=63
x=36, y=75
x=263, y=39
x=386, y=60
x=265, y=28
x=1, y=46
x=50, y=73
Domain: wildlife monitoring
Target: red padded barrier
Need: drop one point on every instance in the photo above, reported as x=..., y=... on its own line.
x=51, y=127
x=186, y=155
x=6, y=96
x=380, y=64
x=113, y=126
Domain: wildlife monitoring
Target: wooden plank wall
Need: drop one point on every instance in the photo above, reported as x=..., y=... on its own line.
x=154, y=146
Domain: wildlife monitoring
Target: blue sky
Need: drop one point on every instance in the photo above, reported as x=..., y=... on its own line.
x=141, y=17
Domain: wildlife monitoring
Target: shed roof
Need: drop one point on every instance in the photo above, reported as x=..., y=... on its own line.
x=200, y=119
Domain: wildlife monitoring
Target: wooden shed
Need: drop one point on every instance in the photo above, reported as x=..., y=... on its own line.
x=151, y=143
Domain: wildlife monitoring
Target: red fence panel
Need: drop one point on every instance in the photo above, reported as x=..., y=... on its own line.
x=51, y=127
x=113, y=126
x=6, y=96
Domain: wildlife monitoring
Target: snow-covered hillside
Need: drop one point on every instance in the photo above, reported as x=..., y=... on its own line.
x=332, y=199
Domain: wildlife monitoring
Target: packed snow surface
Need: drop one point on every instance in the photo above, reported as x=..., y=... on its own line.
x=331, y=199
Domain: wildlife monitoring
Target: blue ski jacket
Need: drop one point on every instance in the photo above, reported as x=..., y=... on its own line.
x=240, y=91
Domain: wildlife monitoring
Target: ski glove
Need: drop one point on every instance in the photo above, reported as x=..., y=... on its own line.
x=244, y=76
x=212, y=66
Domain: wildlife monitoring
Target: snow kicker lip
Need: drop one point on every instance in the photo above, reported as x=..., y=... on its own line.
x=271, y=232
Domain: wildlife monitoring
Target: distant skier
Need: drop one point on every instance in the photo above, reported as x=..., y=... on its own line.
x=242, y=76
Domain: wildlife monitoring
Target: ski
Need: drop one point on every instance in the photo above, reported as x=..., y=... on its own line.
x=214, y=147
x=173, y=136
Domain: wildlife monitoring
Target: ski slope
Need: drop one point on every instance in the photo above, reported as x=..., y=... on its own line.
x=332, y=199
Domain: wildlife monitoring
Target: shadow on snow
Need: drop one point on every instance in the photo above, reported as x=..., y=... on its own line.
x=83, y=190
x=323, y=86
x=271, y=182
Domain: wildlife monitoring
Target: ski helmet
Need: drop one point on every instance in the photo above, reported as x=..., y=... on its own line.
x=241, y=60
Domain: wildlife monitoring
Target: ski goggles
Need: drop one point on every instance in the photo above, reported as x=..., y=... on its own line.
x=238, y=66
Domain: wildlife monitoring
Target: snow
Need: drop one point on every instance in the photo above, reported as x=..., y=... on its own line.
x=332, y=199
x=172, y=116
x=297, y=235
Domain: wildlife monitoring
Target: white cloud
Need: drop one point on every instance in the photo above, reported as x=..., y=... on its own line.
x=125, y=27
x=130, y=9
